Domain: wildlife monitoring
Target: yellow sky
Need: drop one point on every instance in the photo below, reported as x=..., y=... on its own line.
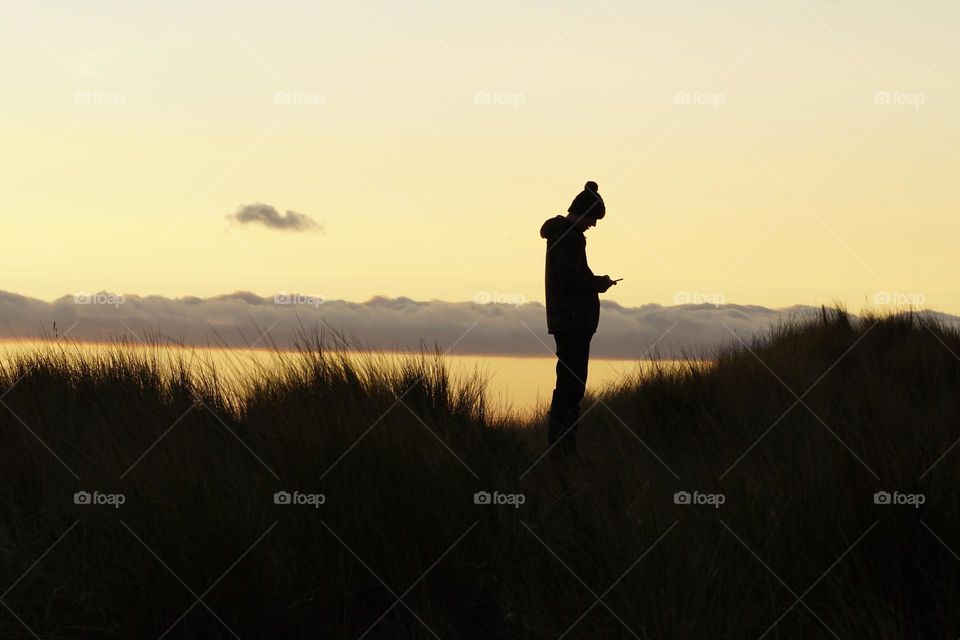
x=772, y=153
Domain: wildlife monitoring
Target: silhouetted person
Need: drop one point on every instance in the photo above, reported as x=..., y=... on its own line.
x=573, y=309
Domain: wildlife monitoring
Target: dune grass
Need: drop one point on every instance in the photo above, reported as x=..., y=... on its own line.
x=796, y=430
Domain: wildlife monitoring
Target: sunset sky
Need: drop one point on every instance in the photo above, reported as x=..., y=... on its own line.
x=771, y=153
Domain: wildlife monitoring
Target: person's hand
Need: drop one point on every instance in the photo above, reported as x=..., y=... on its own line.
x=604, y=282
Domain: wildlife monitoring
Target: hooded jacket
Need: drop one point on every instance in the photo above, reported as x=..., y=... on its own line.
x=573, y=303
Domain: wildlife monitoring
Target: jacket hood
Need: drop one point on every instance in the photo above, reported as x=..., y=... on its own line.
x=555, y=226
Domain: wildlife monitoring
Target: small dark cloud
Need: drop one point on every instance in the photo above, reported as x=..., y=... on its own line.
x=268, y=216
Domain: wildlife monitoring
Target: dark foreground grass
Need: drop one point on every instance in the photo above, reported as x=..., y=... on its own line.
x=796, y=431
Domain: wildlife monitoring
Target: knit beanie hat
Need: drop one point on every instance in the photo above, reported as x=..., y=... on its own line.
x=588, y=202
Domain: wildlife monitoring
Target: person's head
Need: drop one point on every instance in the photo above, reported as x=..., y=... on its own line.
x=587, y=207
x=581, y=223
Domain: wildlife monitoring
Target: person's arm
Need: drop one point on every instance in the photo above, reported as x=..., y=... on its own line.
x=574, y=271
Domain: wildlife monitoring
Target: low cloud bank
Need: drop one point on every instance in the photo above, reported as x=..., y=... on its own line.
x=243, y=318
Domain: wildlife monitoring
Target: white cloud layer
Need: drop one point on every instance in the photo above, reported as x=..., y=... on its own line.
x=242, y=318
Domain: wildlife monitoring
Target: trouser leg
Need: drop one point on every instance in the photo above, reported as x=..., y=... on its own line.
x=573, y=353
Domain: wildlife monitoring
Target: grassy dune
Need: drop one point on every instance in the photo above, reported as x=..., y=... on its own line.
x=599, y=548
